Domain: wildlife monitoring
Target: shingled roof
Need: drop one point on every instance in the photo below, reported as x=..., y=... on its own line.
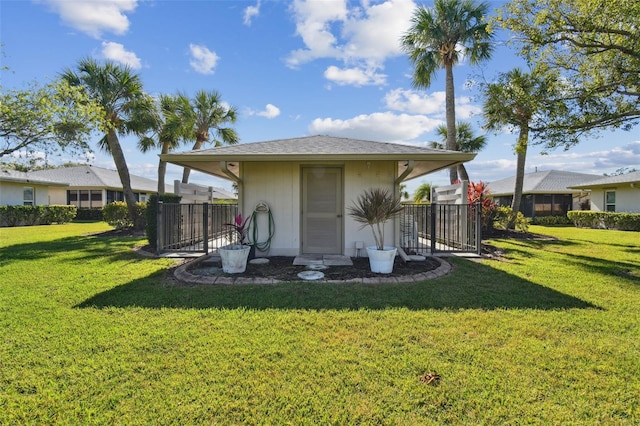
x=318, y=148
x=627, y=178
x=28, y=177
x=87, y=176
x=543, y=182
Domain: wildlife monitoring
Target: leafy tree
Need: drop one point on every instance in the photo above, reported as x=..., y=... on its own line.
x=52, y=118
x=595, y=47
x=423, y=193
x=202, y=114
x=466, y=141
x=440, y=37
x=127, y=109
x=518, y=101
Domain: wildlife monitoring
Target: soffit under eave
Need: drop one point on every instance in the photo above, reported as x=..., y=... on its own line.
x=420, y=167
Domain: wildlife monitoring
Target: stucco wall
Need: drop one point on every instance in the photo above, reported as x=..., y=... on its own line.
x=279, y=185
x=627, y=199
x=58, y=196
x=12, y=194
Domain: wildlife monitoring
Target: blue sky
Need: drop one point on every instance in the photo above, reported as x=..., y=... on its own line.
x=292, y=68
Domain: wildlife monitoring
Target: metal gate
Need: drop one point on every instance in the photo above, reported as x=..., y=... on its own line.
x=444, y=228
x=194, y=228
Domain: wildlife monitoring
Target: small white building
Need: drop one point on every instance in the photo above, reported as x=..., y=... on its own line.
x=614, y=193
x=308, y=183
x=25, y=189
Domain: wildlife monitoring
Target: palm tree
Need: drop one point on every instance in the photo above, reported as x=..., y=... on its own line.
x=466, y=141
x=440, y=37
x=169, y=130
x=422, y=192
x=205, y=112
x=518, y=100
x=127, y=109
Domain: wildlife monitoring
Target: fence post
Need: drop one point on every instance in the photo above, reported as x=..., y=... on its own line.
x=432, y=220
x=159, y=226
x=205, y=226
x=479, y=227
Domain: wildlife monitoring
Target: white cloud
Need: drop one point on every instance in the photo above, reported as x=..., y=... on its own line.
x=94, y=17
x=353, y=76
x=415, y=102
x=360, y=37
x=384, y=126
x=270, y=111
x=202, y=60
x=251, y=12
x=116, y=52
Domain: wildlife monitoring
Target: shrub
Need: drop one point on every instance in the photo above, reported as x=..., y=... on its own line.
x=36, y=215
x=607, y=220
x=478, y=192
x=151, y=226
x=93, y=215
x=504, y=214
x=117, y=215
x=59, y=214
x=551, y=220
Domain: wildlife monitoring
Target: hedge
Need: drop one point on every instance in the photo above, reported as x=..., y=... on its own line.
x=117, y=215
x=36, y=215
x=551, y=220
x=606, y=220
x=90, y=215
x=151, y=227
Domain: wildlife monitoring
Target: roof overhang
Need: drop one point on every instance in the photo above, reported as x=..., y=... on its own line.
x=215, y=164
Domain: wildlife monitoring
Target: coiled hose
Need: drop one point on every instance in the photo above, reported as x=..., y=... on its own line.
x=262, y=207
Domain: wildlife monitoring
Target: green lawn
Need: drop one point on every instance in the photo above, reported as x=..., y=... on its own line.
x=93, y=334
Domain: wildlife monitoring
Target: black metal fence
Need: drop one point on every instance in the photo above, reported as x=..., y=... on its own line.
x=424, y=228
x=432, y=228
x=194, y=228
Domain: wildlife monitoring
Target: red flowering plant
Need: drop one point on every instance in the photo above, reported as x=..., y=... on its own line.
x=241, y=228
x=477, y=192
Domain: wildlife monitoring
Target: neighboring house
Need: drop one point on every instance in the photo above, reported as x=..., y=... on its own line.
x=614, y=193
x=90, y=187
x=193, y=193
x=308, y=183
x=25, y=189
x=545, y=193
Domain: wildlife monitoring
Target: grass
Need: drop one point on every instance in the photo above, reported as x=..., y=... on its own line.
x=94, y=334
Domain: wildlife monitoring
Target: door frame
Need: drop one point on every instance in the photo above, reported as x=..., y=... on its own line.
x=340, y=203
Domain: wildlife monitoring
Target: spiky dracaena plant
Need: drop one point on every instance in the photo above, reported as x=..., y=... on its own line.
x=374, y=207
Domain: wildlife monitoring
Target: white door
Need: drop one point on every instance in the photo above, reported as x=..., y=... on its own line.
x=322, y=220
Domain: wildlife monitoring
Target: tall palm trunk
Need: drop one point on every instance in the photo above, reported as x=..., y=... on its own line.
x=162, y=168
x=521, y=152
x=462, y=172
x=450, y=108
x=123, y=172
x=187, y=171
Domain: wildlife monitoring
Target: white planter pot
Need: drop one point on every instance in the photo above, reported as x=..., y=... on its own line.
x=381, y=261
x=234, y=258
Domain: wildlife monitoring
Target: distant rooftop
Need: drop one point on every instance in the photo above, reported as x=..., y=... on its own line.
x=87, y=176
x=543, y=182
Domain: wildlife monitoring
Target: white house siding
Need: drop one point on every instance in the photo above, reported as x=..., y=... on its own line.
x=360, y=176
x=627, y=198
x=279, y=185
x=58, y=195
x=12, y=193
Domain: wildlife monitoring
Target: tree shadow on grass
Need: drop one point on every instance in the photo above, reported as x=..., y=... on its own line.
x=470, y=286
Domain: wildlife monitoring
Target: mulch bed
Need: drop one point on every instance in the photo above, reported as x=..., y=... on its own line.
x=281, y=268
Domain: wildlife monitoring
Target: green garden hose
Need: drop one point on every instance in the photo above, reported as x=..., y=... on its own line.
x=262, y=207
